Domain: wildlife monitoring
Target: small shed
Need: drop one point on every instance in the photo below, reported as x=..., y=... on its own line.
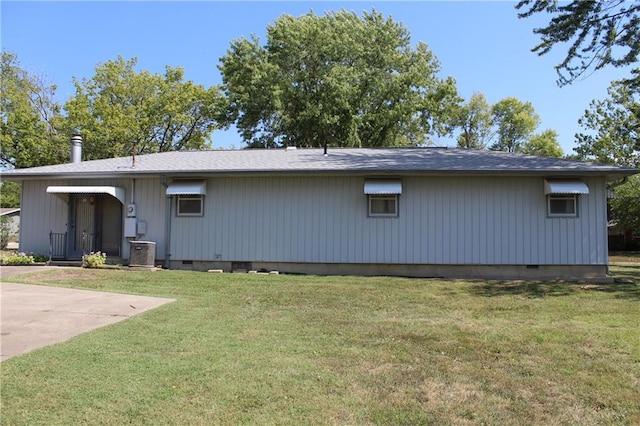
x=12, y=217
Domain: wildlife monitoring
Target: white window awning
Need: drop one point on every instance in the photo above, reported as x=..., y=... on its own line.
x=187, y=187
x=64, y=191
x=565, y=186
x=382, y=186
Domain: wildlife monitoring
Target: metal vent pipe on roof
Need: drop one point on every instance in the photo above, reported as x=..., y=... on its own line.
x=76, y=148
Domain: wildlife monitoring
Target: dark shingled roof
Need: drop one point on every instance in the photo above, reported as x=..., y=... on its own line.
x=312, y=161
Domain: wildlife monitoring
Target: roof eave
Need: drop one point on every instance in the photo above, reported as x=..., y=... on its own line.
x=608, y=173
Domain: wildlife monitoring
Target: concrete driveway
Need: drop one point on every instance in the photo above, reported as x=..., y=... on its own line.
x=9, y=271
x=35, y=316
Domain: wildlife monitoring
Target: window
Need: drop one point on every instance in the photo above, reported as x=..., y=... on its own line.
x=189, y=205
x=563, y=195
x=382, y=196
x=383, y=205
x=562, y=205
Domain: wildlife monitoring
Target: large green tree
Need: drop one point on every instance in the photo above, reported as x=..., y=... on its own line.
x=9, y=194
x=598, y=33
x=515, y=121
x=30, y=118
x=612, y=136
x=544, y=144
x=475, y=123
x=626, y=204
x=338, y=79
x=121, y=111
x=612, y=127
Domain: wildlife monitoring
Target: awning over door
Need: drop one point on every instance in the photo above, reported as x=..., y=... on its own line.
x=64, y=191
x=187, y=187
x=382, y=186
x=565, y=186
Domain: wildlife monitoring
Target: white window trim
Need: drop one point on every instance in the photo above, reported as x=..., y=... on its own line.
x=393, y=197
x=576, y=204
x=190, y=197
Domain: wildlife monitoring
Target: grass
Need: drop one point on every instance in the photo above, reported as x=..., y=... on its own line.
x=625, y=256
x=264, y=349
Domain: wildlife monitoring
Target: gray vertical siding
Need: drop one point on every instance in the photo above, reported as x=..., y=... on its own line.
x=149, y=197
x=442, y=220
x=40, y=214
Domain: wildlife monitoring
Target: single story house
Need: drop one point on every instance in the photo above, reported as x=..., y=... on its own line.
x=368, y=211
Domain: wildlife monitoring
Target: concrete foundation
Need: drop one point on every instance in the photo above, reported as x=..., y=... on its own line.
x=497, y=272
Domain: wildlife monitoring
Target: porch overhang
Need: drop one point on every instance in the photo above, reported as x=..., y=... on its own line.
x=64, y=191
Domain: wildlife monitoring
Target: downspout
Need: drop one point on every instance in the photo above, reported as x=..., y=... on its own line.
x=167, y=224
x=132, y=200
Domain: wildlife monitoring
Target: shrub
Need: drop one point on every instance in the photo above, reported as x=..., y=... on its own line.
x=39, y=258
x=94, y=260
x=18, y=259
x=5, y=232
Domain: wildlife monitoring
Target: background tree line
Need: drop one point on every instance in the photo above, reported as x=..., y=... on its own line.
x=340, y=79
x=508, y=125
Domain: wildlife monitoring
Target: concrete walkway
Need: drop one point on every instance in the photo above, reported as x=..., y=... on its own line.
x=35, y=316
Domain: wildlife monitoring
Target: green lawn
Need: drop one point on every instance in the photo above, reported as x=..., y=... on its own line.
x=265, y=349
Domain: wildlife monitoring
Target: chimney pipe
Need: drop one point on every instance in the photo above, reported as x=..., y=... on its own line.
x=76, y=148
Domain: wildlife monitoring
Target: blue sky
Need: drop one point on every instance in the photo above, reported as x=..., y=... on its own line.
x=483, y=45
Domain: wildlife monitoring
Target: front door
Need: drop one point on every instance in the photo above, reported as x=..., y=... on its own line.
x=81, y=224
x=95, y=224
x=109, y=225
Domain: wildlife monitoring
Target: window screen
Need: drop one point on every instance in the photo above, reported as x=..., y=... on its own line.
x=189, y=205
x=562, y=205
x=383, y=205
